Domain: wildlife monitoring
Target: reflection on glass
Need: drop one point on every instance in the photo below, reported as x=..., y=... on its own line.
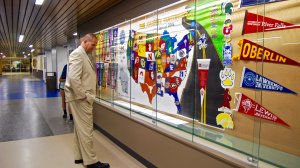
x=201, y=68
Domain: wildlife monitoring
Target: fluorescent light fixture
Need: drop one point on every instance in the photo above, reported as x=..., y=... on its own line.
x=30, y=46
x=74, y=34
x=31, y=50
x=39, y=2
x=21, y=38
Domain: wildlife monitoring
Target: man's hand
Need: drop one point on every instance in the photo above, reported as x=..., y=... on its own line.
x=62, y=80
x=84, y=98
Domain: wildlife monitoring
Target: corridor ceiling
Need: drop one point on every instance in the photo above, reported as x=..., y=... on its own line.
x=43, y=26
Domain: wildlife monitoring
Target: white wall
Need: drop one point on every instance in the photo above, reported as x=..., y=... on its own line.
x=61, y=60
x=55, y=60
x=40, y=62
x=49, y=61
x=41, y=65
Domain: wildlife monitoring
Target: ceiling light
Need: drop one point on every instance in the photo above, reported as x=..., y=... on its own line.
x=30, y=46
x=31, y=50
x=39, y=2
x=28, y=54
x=21, y=38
x=1, y=53
x=74, y=34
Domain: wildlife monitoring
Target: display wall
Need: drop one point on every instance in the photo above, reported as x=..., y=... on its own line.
x=223, y=71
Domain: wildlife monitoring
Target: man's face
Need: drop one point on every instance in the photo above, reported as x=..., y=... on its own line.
x=90, y=45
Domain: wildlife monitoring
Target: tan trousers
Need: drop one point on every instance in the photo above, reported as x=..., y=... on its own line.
x=83, y=131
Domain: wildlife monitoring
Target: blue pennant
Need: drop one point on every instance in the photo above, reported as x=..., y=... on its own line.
x=253, y=80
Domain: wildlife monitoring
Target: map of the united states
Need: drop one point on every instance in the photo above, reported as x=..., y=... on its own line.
x=157, y=64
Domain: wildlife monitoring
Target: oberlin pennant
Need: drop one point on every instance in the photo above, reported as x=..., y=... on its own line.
x=248, y=106
x=254, y=23
x=253, y=52
x=253, y=80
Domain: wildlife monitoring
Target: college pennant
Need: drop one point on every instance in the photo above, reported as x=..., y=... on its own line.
x=248, y=106
x=251, y=51
x=245, y=3
x=254, y=23
x=253, y=80
x=98, y=64
x=203, y=67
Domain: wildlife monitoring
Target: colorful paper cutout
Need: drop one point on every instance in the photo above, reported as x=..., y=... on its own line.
x=227, y=54
x=227, y=77
x=224, y=120
x=226, y=103
x=227, y=7
x=202, y=42
x=124, y=80
x=227, y=30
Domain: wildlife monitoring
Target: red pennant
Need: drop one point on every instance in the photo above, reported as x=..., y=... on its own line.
x=254, y=23
x=253, y=52
x=203, y=67
x=248, y=106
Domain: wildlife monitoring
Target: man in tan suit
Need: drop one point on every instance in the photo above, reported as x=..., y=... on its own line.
x=80, y=91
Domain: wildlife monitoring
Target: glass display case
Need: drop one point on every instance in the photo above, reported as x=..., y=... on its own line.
x=223, y=72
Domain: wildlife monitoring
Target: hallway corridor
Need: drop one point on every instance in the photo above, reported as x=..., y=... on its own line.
x=33, y=133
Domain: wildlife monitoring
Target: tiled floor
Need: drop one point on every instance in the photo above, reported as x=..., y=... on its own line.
x=23, y=86
x=28, y=110
x=56, y=152
x=33, y=133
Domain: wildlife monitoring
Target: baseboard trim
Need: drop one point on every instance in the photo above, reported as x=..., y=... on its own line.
x=126, y=148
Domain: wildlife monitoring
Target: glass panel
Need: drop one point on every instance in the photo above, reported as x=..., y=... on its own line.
x=279, y=140
x=98, y=64
x=122, y=96
x=174, y=58
x=219, y=33
x=113, y=66
x=105, y=64
x=142, y=76
x=257, y=38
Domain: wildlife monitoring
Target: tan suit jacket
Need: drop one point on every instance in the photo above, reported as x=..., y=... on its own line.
x=81, y=77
